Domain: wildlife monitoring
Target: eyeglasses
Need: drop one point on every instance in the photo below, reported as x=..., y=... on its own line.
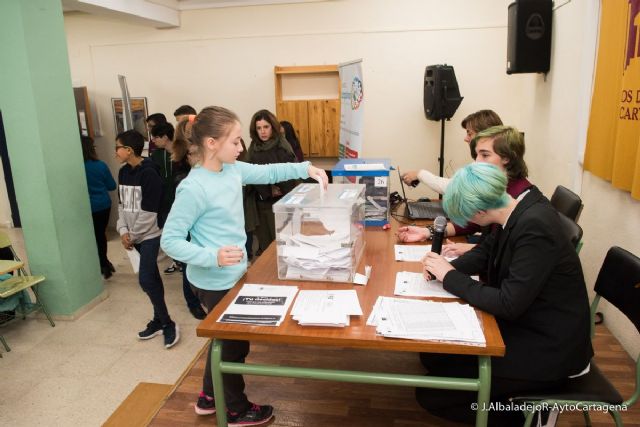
x=121, y=146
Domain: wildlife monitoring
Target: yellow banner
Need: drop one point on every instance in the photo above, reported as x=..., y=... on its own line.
x=614, y=124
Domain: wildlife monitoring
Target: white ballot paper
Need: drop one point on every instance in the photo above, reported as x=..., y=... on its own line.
x=134, y=259
x=426, y=320
x=410, y=284
x=326, y=308
x=414, y=253
x=265, y=305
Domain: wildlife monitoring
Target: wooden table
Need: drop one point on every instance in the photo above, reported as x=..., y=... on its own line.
x=379, y=253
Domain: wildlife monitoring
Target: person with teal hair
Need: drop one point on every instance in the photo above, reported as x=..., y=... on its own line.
x=534, y=287
x=476, y=189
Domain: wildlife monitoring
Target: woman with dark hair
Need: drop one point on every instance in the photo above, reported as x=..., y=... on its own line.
x=292, y=138
x=268, y=145
x=99, y=182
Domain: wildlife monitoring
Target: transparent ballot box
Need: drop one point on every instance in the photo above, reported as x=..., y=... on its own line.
x=374, y=174
x=320, y=234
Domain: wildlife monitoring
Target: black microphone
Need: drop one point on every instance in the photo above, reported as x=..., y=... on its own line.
x=439, y=228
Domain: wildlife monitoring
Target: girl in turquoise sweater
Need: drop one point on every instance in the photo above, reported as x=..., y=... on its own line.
x=208, y=205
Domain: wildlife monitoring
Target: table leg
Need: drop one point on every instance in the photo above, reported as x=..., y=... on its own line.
x=484, y=390
x=218, y=386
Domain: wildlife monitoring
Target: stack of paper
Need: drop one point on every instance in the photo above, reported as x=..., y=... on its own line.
x=318, y=257
x=414, y=253
x=326, y=308
x=410, y=284
x=260, y=305
x=426, y=320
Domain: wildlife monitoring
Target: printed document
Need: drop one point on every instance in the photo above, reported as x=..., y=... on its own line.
x=414, y=253
x=426, y=320
x=260, y=305
x=410, y=284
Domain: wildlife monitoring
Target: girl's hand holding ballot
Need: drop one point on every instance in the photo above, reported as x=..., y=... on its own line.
x=319, y=175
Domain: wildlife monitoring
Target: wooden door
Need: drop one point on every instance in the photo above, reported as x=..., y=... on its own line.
x=296, y=112
x=331, y=127
x=324, y=127
x=316, y=128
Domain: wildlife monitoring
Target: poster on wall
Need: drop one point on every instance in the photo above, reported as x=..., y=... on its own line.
x=138, y=112
x=351, y=109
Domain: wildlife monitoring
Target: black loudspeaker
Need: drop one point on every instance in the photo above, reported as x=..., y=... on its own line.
x=529, y=36
x=441, y=93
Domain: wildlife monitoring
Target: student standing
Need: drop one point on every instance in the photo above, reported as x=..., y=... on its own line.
x=140, y=195
x=184, y=111
x=208, y=205
x=151, y=121
x=162, y=136
x=99, y=182
x=180, y=167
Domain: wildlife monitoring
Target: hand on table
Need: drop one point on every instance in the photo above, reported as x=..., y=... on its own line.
x=411, y=234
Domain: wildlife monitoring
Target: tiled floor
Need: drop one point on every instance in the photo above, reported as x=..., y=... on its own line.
x=77, y=373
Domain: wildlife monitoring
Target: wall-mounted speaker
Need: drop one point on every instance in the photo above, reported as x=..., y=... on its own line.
x=529, y=36
x=441, y=93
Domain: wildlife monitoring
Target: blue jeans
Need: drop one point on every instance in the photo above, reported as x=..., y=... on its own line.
x=150, y=280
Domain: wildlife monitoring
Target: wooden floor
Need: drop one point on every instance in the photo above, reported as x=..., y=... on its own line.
x=311, y=403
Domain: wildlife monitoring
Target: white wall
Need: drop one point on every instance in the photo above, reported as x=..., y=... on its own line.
x=226, y=57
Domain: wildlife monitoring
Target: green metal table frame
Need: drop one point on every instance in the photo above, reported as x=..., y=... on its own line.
x=482, y=384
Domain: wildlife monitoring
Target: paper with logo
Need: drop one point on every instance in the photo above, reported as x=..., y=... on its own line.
x=264, y=305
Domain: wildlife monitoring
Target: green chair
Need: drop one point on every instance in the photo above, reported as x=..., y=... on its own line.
x=18, y=283
x=619, y=283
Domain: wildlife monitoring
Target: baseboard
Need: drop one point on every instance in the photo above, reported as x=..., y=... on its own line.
x=140, y=406
x=81, y=311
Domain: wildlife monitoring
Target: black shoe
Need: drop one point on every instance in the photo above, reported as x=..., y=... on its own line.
x=172, y=269
x=106, y=272
x=198, y=312
x=205, y=405
x=253, y=416
x=111, y=267
x=171, y=334
x=153, y=330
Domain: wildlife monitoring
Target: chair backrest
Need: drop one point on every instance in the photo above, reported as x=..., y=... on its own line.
x=571, y=229
x=567, y=202
x=5, y=242
x=619, y=283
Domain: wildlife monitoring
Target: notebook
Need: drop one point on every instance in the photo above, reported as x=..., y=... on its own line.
x=420, y=210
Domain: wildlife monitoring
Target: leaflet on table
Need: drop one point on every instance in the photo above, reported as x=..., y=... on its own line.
x=414, y=253
x=411, y=284
x=326, y=307
x=258, y=304
x=426, y=320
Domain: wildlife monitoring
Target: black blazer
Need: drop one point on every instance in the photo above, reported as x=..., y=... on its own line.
x=535, y=290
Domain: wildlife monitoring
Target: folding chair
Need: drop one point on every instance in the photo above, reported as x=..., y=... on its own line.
x=618, y=282
x=20, y=282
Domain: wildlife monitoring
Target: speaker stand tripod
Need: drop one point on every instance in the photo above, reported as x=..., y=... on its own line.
x=441, y=157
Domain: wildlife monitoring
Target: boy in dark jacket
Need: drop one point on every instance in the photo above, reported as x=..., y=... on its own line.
x=139, y=197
